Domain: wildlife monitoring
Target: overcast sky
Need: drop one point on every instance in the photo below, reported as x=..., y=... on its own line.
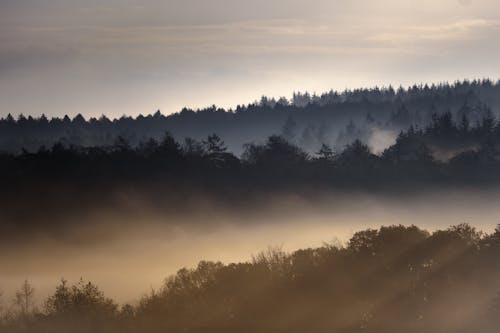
x=119, y=57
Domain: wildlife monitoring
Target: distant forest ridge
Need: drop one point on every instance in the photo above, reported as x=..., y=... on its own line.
x=445, y=151
x=307, y=120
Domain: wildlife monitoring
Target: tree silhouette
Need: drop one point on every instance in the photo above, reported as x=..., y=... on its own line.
x=214, y=145
x=81, y=305
x=24, y=298
x=325, y=153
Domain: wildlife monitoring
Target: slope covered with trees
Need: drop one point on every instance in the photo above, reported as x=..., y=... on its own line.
x=394, y=279
x=170, y=176
x=335, y=118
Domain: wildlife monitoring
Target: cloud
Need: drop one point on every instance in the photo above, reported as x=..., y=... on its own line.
x=465, y=2
x=112, y=48
x=438, y=39
x=457, y=30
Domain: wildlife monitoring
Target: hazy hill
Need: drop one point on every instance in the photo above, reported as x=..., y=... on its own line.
x=373, y=115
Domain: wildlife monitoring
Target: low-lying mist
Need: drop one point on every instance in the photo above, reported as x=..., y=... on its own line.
x=129, y=248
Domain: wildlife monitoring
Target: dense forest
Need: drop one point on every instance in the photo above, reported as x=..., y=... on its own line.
x=307, y=120
x=394, y=279
x=445, y=150
x=169, y=176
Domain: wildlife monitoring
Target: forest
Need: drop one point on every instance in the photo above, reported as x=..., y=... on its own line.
x=235, y=166
x=396, y=278
x=306, y=120
x=392, y=279
x=173, y=177
x=446, y=151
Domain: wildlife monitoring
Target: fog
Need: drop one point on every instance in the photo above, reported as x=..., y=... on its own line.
x=381, y=139
x=127, y=255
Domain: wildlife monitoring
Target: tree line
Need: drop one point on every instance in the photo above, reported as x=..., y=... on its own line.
x=393, y=279
x=445, y=151
x=173, y=177
x=307, y=120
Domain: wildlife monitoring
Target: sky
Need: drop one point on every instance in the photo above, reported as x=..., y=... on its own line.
x=133, y=57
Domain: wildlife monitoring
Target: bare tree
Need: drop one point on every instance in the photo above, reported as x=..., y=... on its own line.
x=24, y=298
x=1, y=307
